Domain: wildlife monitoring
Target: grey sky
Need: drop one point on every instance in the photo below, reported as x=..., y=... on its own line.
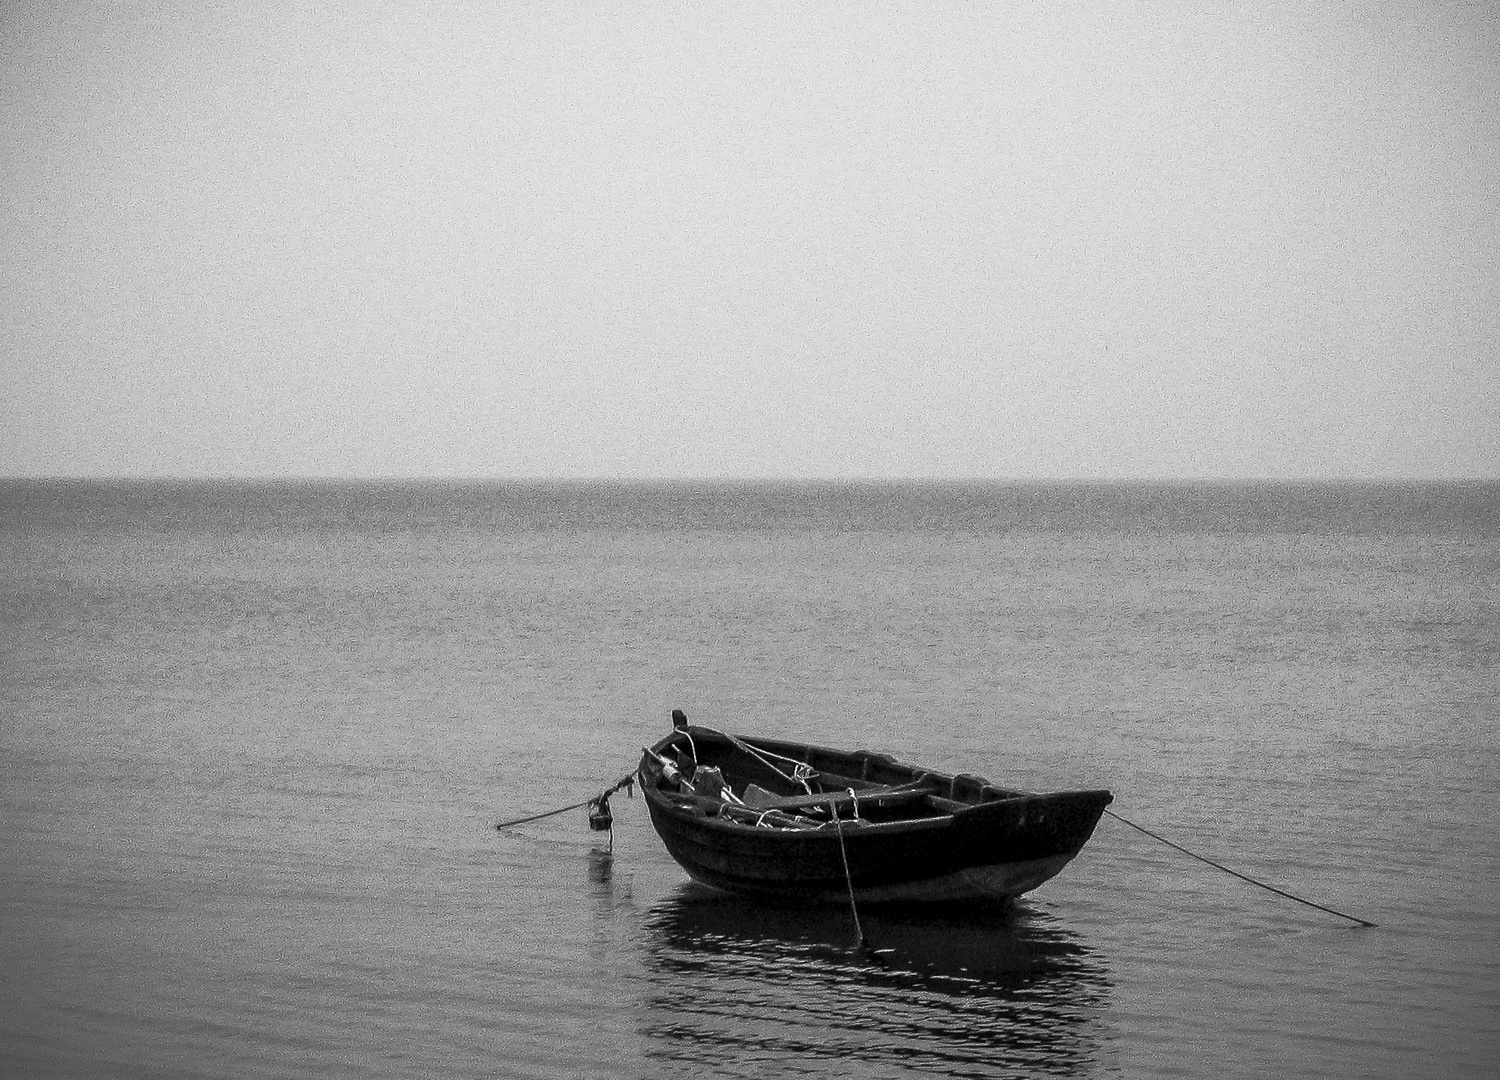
x=838, y=239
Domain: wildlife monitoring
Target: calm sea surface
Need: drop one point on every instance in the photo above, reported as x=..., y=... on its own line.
x=254, y=739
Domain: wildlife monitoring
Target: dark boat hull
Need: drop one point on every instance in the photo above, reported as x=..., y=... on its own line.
x=994, y=844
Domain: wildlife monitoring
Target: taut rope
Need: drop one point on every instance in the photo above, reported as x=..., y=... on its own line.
x=623, y=782
x=848, y=878
x=1235, y=873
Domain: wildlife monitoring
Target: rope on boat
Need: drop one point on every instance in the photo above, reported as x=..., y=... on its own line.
x=802, y=772
x=602, y=799
x=848, y=878
x=1235, y=873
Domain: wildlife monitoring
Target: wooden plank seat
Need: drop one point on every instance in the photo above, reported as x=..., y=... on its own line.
x=759, y=798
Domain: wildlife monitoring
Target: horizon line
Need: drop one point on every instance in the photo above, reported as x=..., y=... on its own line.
x=764, y=481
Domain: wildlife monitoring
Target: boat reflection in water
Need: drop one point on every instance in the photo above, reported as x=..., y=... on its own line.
x=752, y=987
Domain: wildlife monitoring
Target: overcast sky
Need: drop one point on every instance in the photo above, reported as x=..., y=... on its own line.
x=963, y=239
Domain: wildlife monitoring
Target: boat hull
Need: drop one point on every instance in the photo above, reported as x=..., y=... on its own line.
x=999, y=846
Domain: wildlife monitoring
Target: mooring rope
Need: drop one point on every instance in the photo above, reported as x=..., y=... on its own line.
x=1235, y=873
x=848, y=878
x=624, y=782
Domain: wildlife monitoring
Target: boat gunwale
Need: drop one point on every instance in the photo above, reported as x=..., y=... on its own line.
x=856, y=828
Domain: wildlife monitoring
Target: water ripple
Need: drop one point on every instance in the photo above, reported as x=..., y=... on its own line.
x=950, y=994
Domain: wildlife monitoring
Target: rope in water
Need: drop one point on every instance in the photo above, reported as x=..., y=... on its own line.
x=1235, y=873
x=859, y=931
x=624, y=781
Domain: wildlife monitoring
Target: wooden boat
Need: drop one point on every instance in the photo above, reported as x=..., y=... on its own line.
x=779, y=819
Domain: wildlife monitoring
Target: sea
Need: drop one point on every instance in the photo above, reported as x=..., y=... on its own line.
x=255, y=738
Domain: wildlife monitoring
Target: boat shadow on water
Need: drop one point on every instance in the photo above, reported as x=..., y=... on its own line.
x=940, y=991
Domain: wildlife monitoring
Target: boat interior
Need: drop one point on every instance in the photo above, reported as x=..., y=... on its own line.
x=783, y=785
